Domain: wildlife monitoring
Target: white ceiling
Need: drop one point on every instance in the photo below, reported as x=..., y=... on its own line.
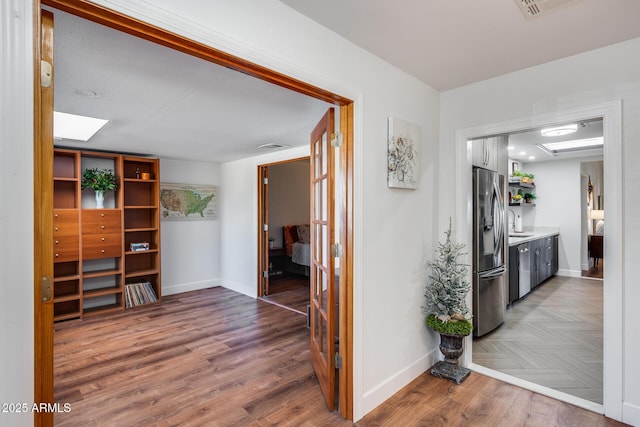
x=451, y=43
x=168, y=104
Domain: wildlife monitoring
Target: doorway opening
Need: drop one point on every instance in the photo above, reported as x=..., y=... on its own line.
x=284, y=200
x=43, y=149
x=549, y=307
x=612, y=294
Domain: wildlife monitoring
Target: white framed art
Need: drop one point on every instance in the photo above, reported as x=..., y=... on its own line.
x=403, y=155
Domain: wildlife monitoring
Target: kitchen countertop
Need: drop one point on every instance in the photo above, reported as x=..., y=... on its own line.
x=532, y=234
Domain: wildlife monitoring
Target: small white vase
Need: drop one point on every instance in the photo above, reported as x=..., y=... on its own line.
x=99, y=200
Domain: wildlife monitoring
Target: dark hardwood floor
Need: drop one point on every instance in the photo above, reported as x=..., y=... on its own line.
x=291, y=291
x=217, y=358
x=210, y=357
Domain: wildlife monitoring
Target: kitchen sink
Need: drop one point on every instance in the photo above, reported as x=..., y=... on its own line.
x=520, y=235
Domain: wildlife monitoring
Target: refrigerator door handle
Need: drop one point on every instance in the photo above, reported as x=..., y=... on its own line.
x=492, y=273
x=499, y=218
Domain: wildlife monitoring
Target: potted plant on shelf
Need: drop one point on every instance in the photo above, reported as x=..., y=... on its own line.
x=515, y=177
x=516, y=199
x=100, y=181
x=447, y=312
x=529, y=197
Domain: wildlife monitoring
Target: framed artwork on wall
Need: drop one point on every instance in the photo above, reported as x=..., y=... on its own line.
x=187, y=201
x=403, y=155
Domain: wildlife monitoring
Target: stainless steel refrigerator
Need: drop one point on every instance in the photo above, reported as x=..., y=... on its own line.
x=489, y=271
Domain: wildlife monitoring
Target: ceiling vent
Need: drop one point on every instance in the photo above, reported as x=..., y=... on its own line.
x=274, y=146
x=535, y=8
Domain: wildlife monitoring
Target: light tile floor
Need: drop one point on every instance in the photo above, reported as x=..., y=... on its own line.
x=553, y=337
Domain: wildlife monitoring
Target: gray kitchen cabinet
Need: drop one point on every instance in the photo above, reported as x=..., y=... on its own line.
x=541, y=264
x=490, y=153
x=514, y=268
x=554, y=254
x=503, y=157
x=536, y=262
x=547, y=260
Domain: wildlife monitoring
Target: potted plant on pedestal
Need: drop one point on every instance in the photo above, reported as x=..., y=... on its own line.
x=99, y=180
x=447, y=313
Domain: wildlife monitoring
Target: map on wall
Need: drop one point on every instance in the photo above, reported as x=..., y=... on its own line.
x=187, y=201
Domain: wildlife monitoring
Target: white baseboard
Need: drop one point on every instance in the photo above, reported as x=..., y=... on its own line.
x=569, y=273
x=376, y=396
x=630, y=414
x=249, y=291
x=186, y=287
x=537, y=388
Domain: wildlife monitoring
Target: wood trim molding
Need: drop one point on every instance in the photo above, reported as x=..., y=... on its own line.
x=138, y=28
x=263, y=215
x=345, y=403
x=157, y=35
x=42, y=216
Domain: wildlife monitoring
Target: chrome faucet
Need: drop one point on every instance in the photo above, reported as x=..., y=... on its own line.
x=513, y=224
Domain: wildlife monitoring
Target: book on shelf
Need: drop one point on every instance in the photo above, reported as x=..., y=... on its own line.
x=140, y=294
x=127, y=296
x=139, y=247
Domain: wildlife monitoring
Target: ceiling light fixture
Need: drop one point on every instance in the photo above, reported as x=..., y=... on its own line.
x=573, y=145
x=559, y=130
x=72, y=126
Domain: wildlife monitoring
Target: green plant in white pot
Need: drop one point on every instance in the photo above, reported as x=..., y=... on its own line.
x=445, y=305
x=100, y=181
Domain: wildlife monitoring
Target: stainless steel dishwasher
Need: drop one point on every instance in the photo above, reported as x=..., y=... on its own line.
x=524, y=270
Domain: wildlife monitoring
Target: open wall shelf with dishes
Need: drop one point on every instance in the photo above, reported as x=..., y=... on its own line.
x=93, y=255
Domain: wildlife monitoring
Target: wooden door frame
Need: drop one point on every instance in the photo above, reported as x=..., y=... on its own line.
x=43, y=218
x=263, y=206
x=138, y=28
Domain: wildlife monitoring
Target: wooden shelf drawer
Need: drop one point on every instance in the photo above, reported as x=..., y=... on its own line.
x=101, y=221
x=66, y=248
x=101, y=246
x=65, y=222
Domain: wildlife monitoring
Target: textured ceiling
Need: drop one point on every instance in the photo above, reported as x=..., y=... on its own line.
x=168, y=104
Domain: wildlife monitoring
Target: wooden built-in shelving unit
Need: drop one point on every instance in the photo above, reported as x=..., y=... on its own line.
x=93, y=259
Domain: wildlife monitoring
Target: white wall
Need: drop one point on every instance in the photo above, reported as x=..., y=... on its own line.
x=16, y=215
x=288, y=197
x=395, y=229
x=595, y=77
x=559, y=205
x=239, y=213
x=190, y=249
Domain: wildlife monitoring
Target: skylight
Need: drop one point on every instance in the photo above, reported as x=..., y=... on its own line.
x=71, y=126
x=573, y=145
